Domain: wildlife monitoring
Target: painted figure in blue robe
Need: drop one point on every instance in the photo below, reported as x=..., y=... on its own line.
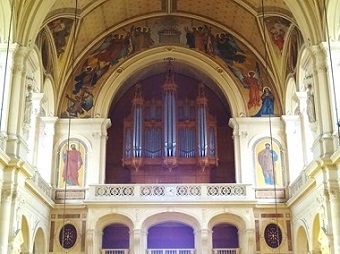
x=267, y=107
x=267, y=158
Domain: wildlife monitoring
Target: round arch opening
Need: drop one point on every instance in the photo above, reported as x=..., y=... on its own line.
x=151, y=81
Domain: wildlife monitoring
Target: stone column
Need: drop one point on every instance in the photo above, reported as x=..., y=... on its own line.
x=323, y=143
x=203, y=241
x=138, y=241
x=247, y=242
x=5, y=89
x=294, y=146
x=7, y=197
x=44, y=151
x=15, y=104
x=334, y=199
x=237, y=149
x=93, y=244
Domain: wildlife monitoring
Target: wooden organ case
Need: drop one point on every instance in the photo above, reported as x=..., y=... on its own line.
x=170, y=140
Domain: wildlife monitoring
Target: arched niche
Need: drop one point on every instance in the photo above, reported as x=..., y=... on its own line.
x=291, y=101
x=48, y=101
x=302, y=239
x=39, y=243
x=316, y=233
x=25, y=234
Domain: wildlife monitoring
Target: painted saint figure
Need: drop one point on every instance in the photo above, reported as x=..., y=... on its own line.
x=267, y=158
x=72, y=163
x=267, y=107
x=254, y=86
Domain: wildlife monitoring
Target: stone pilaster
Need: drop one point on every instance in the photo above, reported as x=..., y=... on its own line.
x=294, y=146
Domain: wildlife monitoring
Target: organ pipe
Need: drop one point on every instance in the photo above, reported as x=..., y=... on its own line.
x=169, y=88
x=137, y=141
x=202, y=123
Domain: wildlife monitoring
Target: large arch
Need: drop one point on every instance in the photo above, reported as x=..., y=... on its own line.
x=156, y=56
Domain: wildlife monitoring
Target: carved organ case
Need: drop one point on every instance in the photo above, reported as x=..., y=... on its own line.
x=170, y=132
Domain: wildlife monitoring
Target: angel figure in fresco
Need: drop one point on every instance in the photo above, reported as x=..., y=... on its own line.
x=72, y=163
x=252, y=82
x=200, y=38
x=227, y=49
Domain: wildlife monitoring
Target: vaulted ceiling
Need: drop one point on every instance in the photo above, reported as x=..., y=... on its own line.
x=252, y=24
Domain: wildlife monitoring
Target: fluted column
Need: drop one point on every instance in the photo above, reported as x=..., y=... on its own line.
x=324, y=143
x=16, y=99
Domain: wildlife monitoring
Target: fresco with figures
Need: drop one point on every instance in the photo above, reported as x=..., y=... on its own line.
x=116, y=47
x=71, y=161
x=269, y=170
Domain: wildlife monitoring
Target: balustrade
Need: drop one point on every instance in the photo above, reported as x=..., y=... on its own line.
x=197, y=192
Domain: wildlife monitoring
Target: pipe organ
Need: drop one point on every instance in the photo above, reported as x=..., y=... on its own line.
x=170, y=131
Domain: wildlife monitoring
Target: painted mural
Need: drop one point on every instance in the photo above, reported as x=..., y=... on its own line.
x=60, y=29
x=268, y=164
x=71, y=164
x=278, y=28
x=125, y=42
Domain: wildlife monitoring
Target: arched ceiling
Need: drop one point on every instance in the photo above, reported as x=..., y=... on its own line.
x=252, y=23
x=243, y=20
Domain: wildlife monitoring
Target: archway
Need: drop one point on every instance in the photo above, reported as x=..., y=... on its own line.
x=170, y=235
x=116, y=236
x=225, y=236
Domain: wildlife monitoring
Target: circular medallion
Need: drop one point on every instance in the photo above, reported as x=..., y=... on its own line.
x=273, y=235
x=68, y=236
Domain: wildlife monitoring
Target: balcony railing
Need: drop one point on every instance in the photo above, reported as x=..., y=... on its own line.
x=226, y=251
x=164, y=192
x=298, y=184
x=170, y=251
x=115, y=251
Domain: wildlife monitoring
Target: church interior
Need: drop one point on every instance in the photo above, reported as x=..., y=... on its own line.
x=169, y=126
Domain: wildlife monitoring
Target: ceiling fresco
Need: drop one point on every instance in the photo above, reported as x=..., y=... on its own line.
x=230, y=32
x=116, y=47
